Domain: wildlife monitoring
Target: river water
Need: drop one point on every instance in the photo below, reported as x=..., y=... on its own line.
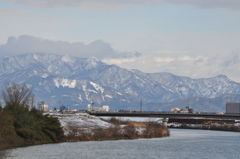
x=182, y=144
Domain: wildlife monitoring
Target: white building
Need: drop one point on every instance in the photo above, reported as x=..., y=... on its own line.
x=104, y=108
x=45, y=107
x=185, y=110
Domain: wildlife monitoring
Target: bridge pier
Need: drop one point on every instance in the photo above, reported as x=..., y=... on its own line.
x=164, y=121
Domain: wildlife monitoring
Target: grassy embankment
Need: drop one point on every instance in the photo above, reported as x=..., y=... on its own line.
x=21, y=127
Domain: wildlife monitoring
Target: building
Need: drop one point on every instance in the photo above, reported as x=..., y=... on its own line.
x=232, y=108
x=104, y=108
x=175, y=110
x=45, y=107
x=185, y=110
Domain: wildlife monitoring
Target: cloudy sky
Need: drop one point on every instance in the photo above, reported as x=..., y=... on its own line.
x=195, y=38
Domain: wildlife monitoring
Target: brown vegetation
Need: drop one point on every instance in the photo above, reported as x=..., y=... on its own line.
x=223, y=127
x=130, y=130
x=137, y=124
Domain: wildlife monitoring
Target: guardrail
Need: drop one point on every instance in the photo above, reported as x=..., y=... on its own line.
x=162, y=112
x=165, y=114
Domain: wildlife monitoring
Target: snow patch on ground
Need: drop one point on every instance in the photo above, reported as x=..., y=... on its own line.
x=86, y=121
x=136, y=119
x=81, y=120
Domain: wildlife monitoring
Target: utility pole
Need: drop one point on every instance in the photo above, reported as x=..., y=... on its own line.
x=60, y=105
x=141, y=105
x=42, y=105
x=92, y=104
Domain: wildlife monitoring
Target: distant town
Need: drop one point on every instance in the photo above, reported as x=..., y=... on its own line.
x=231, y=108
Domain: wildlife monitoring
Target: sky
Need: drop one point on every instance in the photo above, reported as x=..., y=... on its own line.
x=194, y=38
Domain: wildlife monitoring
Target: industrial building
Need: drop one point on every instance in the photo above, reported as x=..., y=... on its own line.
x=232, y=108
x=104, y=108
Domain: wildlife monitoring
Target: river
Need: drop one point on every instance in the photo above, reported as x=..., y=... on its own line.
x=182, y=144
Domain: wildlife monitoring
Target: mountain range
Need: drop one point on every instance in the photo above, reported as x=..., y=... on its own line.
x=77, y=82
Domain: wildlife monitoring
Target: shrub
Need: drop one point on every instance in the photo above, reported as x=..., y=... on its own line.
x=130, y=132
x=21, y=126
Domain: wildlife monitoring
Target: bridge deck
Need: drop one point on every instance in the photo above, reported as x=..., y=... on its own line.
x=166, y=115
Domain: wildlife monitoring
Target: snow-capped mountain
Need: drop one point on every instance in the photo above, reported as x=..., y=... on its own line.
x=186, y=87
x=79, y=81
x=77, y=93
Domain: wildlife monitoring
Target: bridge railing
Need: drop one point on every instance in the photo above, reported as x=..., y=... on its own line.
x=165, y=112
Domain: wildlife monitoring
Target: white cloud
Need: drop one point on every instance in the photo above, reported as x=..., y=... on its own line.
x=171, y=52
x=163, y=59
x=30, y=44
x=179, y=44
x=119, y=61
x=185, y=58
x=194, y=67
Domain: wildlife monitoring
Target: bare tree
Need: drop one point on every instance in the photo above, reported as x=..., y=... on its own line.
x=17, y=94
x=32, y=100
x=39, y=106
x=42, y=106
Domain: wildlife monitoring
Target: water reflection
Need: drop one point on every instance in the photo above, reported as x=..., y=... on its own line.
x=184, y=144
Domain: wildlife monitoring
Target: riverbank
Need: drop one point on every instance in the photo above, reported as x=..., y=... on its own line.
x=84, y=127
x=223, y=127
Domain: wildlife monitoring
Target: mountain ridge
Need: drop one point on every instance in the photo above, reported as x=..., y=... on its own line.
x=133, y=85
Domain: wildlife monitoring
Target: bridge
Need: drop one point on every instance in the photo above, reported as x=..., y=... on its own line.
x=166, y=115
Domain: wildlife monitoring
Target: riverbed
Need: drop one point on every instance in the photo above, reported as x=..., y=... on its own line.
x=182, y=144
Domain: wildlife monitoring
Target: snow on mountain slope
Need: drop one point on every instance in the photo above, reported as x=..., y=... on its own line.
x=80, y=80
x=77, y=93
x=186, y=87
